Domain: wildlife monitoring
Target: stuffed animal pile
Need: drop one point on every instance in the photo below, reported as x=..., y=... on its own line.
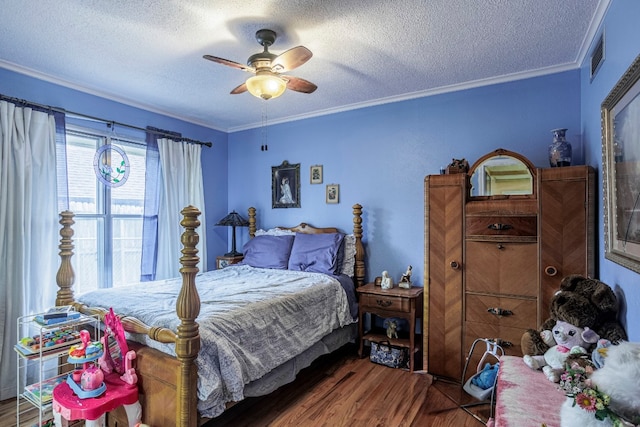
x=583, y=303
x=584, y=347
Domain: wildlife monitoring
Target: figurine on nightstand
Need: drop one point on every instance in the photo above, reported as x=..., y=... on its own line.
x=405, y=280
x=387, y=281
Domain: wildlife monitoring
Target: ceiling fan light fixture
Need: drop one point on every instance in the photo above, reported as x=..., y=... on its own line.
x=266, y=86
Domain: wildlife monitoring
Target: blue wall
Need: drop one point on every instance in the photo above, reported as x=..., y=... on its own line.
x=380, y=155
x=622, y=46
x=215, y=173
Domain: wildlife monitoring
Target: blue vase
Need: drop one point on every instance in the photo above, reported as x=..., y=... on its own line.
x=560, y=149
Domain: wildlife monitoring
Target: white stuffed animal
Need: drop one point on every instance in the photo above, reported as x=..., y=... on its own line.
x=564, y=339
x=618, y=379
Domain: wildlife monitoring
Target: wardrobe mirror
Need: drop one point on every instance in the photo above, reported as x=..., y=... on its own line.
x=501, y=173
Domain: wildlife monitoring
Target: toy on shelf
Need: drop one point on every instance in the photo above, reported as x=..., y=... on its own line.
x=89, y=381
x=48, y=341
x=58, y=314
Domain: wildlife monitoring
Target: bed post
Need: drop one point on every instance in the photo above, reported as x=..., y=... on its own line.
x=357, y=231
x=65, y=276
x=252, y=222
x=188, y=336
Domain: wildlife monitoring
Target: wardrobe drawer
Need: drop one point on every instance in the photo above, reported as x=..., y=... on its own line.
x=501, y=226
x=502, y=311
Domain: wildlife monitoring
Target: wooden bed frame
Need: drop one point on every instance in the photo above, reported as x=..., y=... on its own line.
x=167, y=384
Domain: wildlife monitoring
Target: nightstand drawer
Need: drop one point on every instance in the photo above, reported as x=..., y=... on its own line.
x=386, y=302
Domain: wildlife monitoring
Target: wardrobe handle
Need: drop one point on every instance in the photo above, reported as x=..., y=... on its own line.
x=500, y=246
x=550, y=270
x=499, y=227
x=497, y=311
x=455, y=265
x=502, y=343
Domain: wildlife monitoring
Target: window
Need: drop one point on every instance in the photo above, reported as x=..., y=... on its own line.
x=108, y=220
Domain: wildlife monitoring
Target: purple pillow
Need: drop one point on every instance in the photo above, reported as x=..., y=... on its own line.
x=316, y=252
x=268, y=251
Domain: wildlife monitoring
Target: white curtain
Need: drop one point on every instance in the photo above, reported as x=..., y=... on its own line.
x=28, y=225
x=181, y=185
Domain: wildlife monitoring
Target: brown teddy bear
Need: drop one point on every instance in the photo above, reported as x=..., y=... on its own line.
x=583, y=302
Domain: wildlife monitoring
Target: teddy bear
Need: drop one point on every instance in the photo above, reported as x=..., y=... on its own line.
x=582, y=302
x=564, y=339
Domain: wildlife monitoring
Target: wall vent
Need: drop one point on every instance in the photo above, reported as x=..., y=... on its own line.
x=597, y=56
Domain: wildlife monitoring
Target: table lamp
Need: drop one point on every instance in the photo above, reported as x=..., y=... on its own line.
x=234, y=220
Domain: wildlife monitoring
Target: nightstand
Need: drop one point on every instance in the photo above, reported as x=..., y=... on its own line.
x=223, y=260
x=384, y=303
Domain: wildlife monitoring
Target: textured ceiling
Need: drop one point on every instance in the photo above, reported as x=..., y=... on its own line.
x=149, y=53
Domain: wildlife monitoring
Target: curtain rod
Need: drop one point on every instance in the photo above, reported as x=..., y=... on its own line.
x=111, y=122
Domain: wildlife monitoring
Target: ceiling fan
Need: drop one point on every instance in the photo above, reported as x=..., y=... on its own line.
x=268, y=82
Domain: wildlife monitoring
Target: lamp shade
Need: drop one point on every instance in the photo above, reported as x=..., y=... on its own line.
x=266, y=85
x=233, y=220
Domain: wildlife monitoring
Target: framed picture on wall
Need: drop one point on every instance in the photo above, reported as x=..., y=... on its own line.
x=621, y=170
x=285, y=185
x=333, y=193
x=316, y=174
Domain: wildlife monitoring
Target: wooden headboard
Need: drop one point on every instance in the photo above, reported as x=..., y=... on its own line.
x=305, y=228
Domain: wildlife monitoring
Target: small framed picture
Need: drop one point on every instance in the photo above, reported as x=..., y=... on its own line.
x=333, y=193
x=316, y=174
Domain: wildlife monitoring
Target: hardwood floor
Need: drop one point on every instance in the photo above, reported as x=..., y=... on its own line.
x=343, y=390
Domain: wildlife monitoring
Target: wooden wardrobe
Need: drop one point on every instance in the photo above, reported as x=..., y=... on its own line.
x=498, y=241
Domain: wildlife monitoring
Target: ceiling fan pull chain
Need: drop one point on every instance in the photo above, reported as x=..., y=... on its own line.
x=263, y=131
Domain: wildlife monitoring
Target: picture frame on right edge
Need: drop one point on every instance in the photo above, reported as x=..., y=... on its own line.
x=315, y=174
x=333, y=193
x=621, y=170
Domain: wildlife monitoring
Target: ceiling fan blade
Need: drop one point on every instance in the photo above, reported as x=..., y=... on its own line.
x=290, y=59
x=299, y=85
x=239, y=89
x=230, y=63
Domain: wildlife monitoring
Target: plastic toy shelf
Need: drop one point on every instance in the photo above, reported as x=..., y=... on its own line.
x=41, y=364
